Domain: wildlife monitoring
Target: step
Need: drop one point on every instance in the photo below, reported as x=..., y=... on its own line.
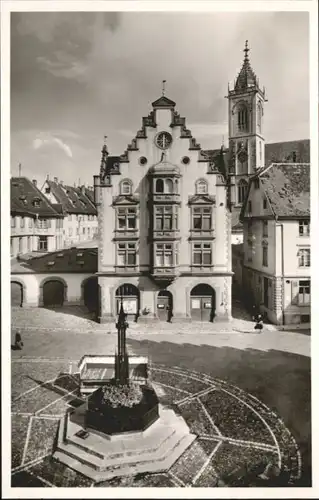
x=151, y=467
x=139, y=455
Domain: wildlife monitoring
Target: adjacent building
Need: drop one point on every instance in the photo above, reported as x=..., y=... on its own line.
x=80, y=216
x=277, y=253
x=164, y=226
x=36, y=224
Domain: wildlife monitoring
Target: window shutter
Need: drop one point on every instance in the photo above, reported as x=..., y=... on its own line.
x=294, y=292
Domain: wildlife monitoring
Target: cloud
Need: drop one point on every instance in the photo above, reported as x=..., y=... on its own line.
x=67, y=68
x=204, y=130
x=49, y=140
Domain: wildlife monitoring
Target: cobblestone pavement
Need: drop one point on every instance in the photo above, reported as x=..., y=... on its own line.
x=273, y=366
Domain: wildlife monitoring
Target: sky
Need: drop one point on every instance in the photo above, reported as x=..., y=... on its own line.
x=76, y=77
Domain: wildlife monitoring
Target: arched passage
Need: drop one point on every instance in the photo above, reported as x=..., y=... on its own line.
x=131, y=300
x=16, y=294
x=90, y=293
x=165, y=305
x=53, y=293
x=203, y=303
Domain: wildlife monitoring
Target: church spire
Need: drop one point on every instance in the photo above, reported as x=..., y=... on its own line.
x=246, y=78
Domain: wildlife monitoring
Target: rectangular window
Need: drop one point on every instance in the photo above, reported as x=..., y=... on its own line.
x=70, y=231
x=164, y=255
x=29, y=244
x=164, y=218
x=22, y=222
x=304, y=228
x=202, y=254
x=305, y=318
x=304, y=292
x=126, y=218
x=13, y=222
x=265, y=256
x=43, y=244
x=126, y=254
x=47, y=190
x=265, y=228
x=202, y=218
x=264, y=203
x=30, y=223
x=20, y=245
x=304, y=257
x=43, y=224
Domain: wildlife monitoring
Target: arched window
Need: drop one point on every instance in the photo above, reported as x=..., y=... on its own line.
x=259, y=116
x=242, y=117
x=169, y=188
x=201, y=187
x=126, y=187
x=159, y=186
x=242, y=190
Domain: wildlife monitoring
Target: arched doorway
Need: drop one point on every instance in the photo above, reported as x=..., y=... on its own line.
x=53, y=293
x=203, y=303
x=164, y=305
x=91, y=294
x=131, y=300
x=16, y=294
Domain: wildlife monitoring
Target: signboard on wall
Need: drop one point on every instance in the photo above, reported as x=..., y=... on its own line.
x=195, y=303
x=129, y=306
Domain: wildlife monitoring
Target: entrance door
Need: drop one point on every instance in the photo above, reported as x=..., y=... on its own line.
x=91, y=294
x=164, y=305
x=266, y=292
x=202, y=303
x=16, y=294
x=53, y=294
x=131, y=301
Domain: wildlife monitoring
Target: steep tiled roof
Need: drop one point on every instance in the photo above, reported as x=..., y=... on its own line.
x=289, y=151
x=23, y=195
x=71, y=260
x=72, y=199
x=236, y=225
x=287, y=187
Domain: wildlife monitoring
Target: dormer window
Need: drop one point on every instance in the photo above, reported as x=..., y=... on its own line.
x=47, y=190
x=126, y=187
x=201, y=187
x=36, y=202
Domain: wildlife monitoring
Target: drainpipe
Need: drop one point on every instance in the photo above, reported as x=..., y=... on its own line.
x=282, y=270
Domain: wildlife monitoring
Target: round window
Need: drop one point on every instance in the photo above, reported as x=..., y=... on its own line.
x=186, y=160
x=143, y=160
x=163, y=140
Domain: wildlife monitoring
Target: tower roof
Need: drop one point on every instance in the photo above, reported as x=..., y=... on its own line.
x=246, y=77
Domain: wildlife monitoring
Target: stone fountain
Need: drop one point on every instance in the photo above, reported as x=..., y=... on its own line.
x=121, y=428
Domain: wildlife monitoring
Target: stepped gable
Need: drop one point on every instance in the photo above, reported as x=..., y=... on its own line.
x=23, y=195
x=287, y=187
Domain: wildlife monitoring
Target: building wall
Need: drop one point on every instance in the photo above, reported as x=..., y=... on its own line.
x=138, y=174
x=32, y=286
x=26, y=232
x=78, y=228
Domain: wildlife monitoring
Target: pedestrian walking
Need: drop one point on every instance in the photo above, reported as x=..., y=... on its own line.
x=18, y=341
x=259, y=322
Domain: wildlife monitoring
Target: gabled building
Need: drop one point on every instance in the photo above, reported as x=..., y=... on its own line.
x=276, y=221
x=164, y=226
x=36, y=224
x=80, y=216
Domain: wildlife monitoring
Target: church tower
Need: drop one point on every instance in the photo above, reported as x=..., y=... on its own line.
x=245, y=129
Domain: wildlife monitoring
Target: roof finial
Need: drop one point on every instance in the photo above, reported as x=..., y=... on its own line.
x=246, y=50
x=163, y=87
